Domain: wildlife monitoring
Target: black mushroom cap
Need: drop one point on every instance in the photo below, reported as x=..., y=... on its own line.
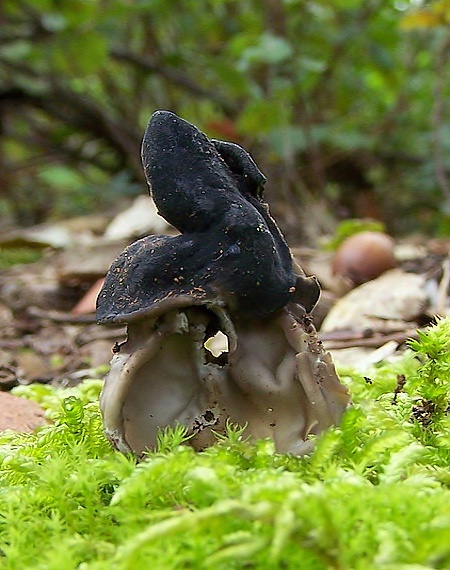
x=189, y=182
x=230, y=251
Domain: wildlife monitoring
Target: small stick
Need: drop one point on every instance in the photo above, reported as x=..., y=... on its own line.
x=371, y=342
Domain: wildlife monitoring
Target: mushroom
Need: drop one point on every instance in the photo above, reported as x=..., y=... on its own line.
x=229, y=270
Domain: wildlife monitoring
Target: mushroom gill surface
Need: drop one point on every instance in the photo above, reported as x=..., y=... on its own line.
x=229, y=270
x=278, y=382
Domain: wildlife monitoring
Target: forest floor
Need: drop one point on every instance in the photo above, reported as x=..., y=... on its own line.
x=50, y=276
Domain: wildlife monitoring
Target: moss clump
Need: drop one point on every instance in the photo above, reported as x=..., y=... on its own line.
x=348, y=228
x=374, y=494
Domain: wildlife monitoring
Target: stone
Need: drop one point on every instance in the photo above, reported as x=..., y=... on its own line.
x=395, y=295
x=20, y=415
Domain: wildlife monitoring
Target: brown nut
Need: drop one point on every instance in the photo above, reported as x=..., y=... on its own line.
x=364, y=256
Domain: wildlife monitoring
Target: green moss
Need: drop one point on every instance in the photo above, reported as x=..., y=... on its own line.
x=18, y=256
x=373, y=495
x=351, y=227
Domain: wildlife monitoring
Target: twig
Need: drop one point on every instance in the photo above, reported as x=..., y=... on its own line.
x=371, y=342
x=172, y=75
x=60, y=316
x=81, y=112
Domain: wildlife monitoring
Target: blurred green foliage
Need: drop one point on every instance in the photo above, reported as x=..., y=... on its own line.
x=341, y=102
x=349, y=228
x=18, y=256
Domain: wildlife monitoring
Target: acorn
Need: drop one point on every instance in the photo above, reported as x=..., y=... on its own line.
x=364, y=256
